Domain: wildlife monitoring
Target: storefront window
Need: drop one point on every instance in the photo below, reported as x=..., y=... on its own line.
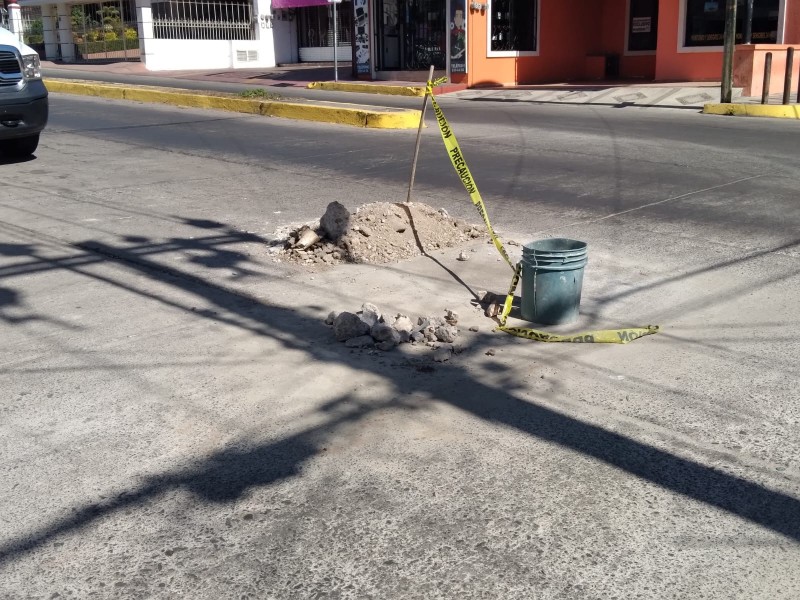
x=643, y=26
x=315, y=25
x=513, y=25
x=705, y=22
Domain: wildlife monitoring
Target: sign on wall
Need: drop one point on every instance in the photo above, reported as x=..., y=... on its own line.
x=458, y=36
x=641, y=24
x=361, y=20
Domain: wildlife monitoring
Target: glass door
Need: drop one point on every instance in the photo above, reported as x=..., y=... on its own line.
x=412, y=35
x=389, y=35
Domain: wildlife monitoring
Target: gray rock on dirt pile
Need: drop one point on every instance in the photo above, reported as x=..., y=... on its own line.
x=347, y=325
x=335, y=222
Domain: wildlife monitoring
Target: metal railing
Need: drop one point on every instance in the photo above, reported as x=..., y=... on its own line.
x=105, y=30
x=31, y=18
x=198, y=20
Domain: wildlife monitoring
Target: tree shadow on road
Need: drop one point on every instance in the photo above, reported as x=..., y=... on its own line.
x=229, y=473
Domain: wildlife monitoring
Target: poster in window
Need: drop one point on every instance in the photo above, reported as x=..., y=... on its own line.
x=458, y=36
x=361, y=23
x=643, y=26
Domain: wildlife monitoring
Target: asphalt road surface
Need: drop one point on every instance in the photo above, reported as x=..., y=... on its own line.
x=176, y=421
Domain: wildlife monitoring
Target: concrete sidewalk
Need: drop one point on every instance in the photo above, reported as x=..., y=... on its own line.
x=293, y=81
x=664, y=95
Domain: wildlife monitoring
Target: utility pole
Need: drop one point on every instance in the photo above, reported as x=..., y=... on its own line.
x=727, y=56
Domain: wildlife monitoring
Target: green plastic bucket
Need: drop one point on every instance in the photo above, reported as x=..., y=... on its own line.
x=552, y=278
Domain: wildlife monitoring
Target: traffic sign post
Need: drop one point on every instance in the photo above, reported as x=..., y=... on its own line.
x=335, y=41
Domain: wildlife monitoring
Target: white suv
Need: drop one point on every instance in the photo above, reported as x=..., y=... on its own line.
x=23, y=97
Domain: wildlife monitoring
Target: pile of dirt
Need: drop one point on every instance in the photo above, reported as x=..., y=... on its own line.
x=376, y=233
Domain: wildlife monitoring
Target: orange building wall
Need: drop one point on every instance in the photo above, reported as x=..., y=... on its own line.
x=573, y=31
x=672, y=65
x=565, y=27
x=570, y=33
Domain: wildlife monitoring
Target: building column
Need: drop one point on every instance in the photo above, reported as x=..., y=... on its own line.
x=15, y=20
x=49, y=28
x=144, y=23
x=65, y=33
x=262, y=15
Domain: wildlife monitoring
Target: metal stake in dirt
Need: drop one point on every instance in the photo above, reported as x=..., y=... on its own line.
x=419, y=137
x=727, y=56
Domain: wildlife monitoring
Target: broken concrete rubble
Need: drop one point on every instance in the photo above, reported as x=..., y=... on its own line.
x=370, y=326
x=403, y=324
x=370, y=314
x=446, y=334
x=306, y=238
x=347, y=325
x=382, y=332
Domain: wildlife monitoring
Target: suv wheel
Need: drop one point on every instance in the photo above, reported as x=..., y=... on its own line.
x=22, y=147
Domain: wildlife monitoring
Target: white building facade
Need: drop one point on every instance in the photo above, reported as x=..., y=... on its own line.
x=165, y=35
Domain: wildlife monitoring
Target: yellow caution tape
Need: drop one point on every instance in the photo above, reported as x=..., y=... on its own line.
x=460, y=165
x=606, y=336
x=603, y=336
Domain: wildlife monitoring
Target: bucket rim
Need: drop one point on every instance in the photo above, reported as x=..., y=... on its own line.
x=565, y=266
x=567, y=245
x=533, y=261
x=555, y=247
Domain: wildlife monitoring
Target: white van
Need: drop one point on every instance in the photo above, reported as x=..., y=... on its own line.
x=23, y=97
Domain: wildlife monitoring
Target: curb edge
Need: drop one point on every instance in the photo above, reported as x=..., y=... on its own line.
x=377, y=119
x=774, y=111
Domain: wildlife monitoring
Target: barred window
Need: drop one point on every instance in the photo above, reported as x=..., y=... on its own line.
x=513, y=25
x=206, y=20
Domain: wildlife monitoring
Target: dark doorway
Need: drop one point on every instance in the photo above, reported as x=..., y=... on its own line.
x=643, y=26
x=411, y=35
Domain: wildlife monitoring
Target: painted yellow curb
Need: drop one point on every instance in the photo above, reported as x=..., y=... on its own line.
x=369, y=88
x=324, y=113
x=776, y=111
